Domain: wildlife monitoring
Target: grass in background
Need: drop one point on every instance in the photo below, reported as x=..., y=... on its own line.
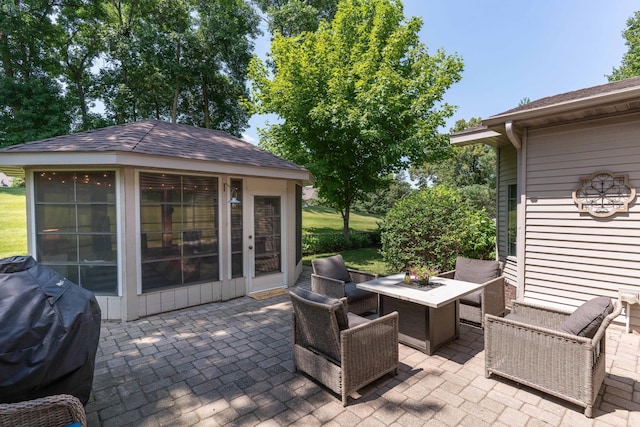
x=364, y=259
x=13, y=231
x=13, y=223
x=318, y=219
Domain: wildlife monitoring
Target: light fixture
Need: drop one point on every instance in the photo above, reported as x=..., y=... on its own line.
x=234, y=195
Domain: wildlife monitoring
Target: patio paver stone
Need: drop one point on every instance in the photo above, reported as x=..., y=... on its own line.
x=230, y=363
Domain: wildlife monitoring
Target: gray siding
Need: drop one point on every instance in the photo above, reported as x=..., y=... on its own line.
x=507, y=162
x=572, y=256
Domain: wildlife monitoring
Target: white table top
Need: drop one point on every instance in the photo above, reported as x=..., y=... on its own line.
x=444, y=291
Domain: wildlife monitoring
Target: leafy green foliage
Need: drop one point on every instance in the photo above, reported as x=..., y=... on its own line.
x=472, y=169
x=292, y=17
x=31, y=102
x=630, y=66
x=184, y=60
x=359, y=99
x=335, y=242
x=432, y=227
x=380, y=201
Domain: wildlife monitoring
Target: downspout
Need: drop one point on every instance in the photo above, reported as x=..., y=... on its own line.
x=520, y=236
x=511, y=134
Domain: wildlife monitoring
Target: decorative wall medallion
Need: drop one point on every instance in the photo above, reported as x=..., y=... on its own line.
x=603, y=194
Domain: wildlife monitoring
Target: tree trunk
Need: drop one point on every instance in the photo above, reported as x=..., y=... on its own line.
x=345, y=223
x=176, y=89
x=205, y=101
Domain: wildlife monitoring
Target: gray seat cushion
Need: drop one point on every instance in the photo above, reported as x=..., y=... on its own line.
x=355, y=294
x=587, y=318
x=355, y=320
x=334, y=303
x=476, y=270
x=473, y=299
x=332, y=267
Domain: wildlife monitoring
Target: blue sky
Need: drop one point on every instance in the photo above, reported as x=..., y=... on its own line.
x=514, y=49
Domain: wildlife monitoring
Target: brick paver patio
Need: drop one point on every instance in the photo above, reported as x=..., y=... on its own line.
x=230, y=363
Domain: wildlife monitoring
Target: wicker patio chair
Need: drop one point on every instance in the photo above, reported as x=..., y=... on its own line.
x=489, y=299
x=52, y=411
x=332, y=278
x=341, y=350
x=533, y=347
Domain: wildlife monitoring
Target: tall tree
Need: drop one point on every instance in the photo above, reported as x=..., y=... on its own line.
x=359, y=99
x=380, y=201
x=32, y=105
x=471, y=169
x=630, y=66
x=183, y=60
x=80, y=23
x=291, y=17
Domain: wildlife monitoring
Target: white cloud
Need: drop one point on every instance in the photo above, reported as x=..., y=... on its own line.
x=249, y=138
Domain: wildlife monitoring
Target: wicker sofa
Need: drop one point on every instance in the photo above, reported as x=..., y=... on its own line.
x=51, y=411
x=489, y=299
x=341, y=350
x=332, y=278
x=541, y=347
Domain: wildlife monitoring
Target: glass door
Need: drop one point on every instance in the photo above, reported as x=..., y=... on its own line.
x=267, y=243
x=267, y=235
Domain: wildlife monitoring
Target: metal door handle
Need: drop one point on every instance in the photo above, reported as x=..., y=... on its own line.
x=250, y=247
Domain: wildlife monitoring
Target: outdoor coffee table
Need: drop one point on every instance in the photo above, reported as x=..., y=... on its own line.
x=429, y=316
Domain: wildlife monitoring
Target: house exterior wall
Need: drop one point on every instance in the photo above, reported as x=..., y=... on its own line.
x=571, y=256
x=507, y=175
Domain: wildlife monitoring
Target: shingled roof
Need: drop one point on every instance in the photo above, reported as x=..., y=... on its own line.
x=620, y=97
x=576, y=94
x=160, y=138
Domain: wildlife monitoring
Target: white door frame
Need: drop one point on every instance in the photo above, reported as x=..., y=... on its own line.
x=267, y=281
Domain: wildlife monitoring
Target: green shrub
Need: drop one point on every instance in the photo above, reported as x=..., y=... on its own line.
x=319, y=243
x=433, y=226
x=17, y=183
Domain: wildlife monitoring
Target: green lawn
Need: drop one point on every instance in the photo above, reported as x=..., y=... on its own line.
x=13, y=224
x=364, y=259
x=317, y=219
x=13, y=230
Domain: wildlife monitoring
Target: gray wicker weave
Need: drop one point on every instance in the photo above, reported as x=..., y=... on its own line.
x=343, y=360
x=51, y=411
x=560, y=364
x=492, y=300
x=338, y=289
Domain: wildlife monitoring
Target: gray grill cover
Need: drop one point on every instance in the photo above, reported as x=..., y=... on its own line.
x=49, y=331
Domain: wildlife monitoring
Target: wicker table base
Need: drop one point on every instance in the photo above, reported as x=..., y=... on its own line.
x=421, y=327
x=429, y=316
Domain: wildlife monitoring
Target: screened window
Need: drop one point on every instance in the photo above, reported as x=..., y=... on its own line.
x=298, y=223
x=76, y=227
x=179, y=230
x=512, y=217
x=236, y=229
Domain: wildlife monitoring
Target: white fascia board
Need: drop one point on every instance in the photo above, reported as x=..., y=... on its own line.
x=118, y=159
x=472, y=137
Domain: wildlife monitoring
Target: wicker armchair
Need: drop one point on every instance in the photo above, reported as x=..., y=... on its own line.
x=332, y=278
x=531, y=346
x=489, y=299
x=341, y=350
x=52, y=411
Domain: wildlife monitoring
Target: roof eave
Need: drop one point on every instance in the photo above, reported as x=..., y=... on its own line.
x=13, y=164
x=484, y=136
x=564, y=107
